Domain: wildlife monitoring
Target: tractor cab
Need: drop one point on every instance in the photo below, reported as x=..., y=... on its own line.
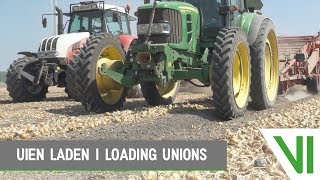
x=97, y=17
x=84, y=19
x=94, y=17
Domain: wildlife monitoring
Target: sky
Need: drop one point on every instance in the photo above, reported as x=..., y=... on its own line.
x=21, y=28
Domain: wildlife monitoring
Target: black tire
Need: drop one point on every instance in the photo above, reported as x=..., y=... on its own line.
x=152, y=96
x=259, y=95
x=89, y=93
x=221, y=73
x=72, y=86
x=19, y=87
x=313, y=83
x=280, y=89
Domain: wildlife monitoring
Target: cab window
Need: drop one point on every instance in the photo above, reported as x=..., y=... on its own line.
x=209, y=10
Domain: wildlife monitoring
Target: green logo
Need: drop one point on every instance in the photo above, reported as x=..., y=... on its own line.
x=298, y=151
x=297, y=159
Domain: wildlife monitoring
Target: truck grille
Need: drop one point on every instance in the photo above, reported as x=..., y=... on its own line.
x=162, y=15
x=49, y=44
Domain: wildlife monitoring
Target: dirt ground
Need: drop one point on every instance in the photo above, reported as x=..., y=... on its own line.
x=191, y=118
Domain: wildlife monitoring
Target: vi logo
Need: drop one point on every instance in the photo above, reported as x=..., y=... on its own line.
x=298, y=151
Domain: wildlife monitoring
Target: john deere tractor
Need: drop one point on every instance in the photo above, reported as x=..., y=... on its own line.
x=226, y=44
x=29, y=77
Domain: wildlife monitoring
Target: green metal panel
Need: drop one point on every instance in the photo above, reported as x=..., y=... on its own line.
x=244, y=21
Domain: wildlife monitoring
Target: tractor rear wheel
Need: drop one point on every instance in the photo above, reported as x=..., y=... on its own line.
x=100, y=93
x=265, y=67
x=72, y=87
x=156, y=95
x=20, y=89
x=230, y=73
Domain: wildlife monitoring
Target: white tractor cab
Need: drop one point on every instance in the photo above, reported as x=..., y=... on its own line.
x=29, y=77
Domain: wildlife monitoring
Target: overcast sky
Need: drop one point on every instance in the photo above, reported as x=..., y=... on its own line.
x=21, y=28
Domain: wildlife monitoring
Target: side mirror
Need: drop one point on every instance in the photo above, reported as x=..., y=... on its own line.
x=44, y=22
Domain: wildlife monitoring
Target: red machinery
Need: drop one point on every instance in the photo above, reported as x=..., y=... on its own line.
x=299, y=62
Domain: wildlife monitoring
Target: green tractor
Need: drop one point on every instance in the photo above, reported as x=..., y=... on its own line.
x=226, y=44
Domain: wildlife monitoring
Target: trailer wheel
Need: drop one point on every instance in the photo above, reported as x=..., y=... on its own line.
x=156, y=95
x=230, y=73
x=313, y=84
x=99, y=93
x=20, y=89
x=265, y=67
x=72, y=87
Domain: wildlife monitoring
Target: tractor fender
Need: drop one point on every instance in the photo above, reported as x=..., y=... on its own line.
x=254, y=28
x=75, y=49
x=126, y=41
x=28, y=54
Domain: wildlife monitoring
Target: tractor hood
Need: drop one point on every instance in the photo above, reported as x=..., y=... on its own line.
x=57, y=46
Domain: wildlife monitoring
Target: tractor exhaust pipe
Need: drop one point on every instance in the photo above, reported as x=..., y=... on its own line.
x=60, y=20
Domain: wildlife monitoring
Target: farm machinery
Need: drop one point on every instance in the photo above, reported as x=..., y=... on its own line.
x=29, y=77
x=300, y=62
x=227, y=45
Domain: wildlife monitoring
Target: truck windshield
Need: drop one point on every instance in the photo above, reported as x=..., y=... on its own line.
x=95, y=22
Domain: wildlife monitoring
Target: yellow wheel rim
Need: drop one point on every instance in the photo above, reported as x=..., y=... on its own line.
x=271, y=66
x=241, y=75
x=169, y=90
x=109, y=90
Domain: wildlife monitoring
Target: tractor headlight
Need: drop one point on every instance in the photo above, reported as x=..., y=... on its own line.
x=157, y=28
x=142, y=28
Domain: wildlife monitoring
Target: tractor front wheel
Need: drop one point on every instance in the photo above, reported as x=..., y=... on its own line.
x=99, y=93
x=20, y=89
x=230, y=73
x=156, y=95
